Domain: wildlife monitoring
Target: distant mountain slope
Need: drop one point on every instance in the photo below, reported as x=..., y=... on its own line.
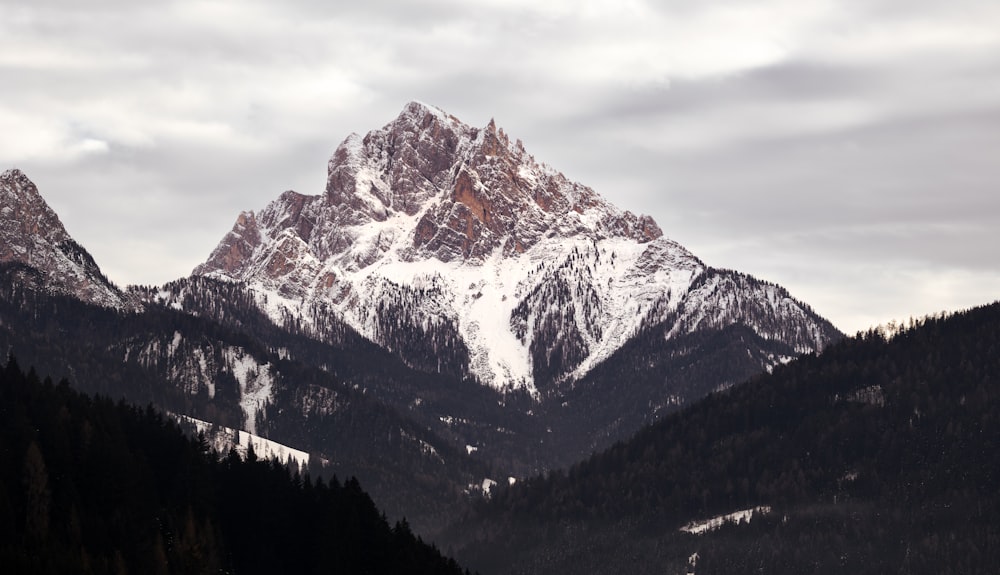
x=677, y=357
x=876, y=456
x=453, y=247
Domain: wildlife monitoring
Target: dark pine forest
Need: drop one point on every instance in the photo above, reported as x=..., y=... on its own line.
x=89, y=485
x=877, y=456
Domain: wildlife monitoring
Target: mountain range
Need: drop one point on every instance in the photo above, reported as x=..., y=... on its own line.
x=535, y=380
x=447, y=315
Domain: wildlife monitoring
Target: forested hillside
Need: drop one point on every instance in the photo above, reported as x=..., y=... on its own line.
x=93, y=486
x=878, y=456
x=347, y=406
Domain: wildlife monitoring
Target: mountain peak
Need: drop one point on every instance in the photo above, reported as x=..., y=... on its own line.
x=472, y=189
x=32, y=236
x=420, y=110
x=470, y=244
x=25, y=214
x=14, y=175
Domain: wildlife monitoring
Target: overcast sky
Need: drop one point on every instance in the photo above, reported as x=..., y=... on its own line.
x=848, y=150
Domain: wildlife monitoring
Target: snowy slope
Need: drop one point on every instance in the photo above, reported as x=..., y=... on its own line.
x=743, y=516
x=222, y=439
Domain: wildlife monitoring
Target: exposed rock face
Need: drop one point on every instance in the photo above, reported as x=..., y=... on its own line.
x=32, y=235
x=471, y=190
x=459, y=232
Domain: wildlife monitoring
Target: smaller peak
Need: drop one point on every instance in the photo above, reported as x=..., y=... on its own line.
x=420, y=113
x=14, y=174
x=417, y=108
x=15, y=181
x=292, y=195
x=348, y=153
x=353, y=145
x=494, y=140
x=417, y=105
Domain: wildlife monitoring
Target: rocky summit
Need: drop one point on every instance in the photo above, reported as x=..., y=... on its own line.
x=452, y=246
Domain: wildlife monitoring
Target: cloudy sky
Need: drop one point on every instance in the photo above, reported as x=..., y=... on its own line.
x=847, y=150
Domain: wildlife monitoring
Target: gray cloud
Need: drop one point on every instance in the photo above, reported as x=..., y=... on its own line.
x=840, y=149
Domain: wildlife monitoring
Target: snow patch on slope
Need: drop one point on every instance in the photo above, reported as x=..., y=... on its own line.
x=736, y=517
x=222, y=439
x=255, y=381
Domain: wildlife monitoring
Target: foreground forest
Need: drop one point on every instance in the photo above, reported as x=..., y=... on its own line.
x=93, y=486
x=877, y=456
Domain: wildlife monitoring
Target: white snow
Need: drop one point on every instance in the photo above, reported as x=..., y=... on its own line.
x=255, y=381
x=203, y=364
x=481, y=296
x=223, y=438
x=175, y=344
x=736, y=517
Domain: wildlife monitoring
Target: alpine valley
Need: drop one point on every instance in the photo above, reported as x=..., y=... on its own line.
x=447, y=314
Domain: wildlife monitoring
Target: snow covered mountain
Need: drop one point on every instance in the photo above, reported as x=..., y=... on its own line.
x=34, y=241
x=349, y=324
x=453, y=247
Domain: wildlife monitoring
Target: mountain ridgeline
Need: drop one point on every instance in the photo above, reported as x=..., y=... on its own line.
x=446, y=315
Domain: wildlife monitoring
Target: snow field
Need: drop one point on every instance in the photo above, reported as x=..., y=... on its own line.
x=736, y=517
x=222, y=439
